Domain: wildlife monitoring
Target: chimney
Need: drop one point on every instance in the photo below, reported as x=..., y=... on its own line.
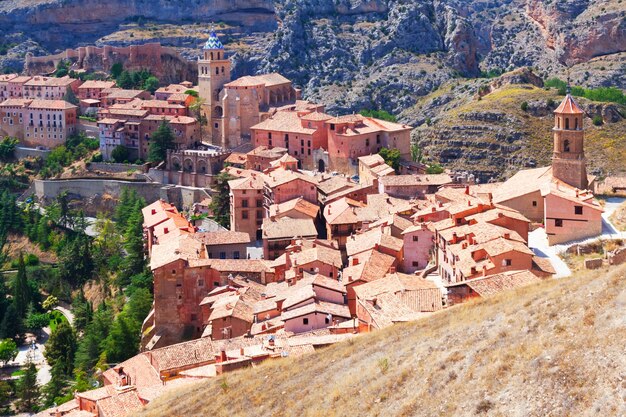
x=469, y=203
x=434, y=209
x=153, y=211
x=355, y=261
x=165, y=230
x=484, y=270
x=455, y=238
x=392, y=270
x=241, y=352
x=222, y=356
x=467, y=189
x=507, y=236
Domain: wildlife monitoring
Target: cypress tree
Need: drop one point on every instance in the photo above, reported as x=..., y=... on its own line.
x=21, y=289
x=161, y=141
x=61, y=347
x=27, y=389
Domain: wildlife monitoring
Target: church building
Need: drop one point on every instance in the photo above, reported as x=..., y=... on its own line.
x=558, y=195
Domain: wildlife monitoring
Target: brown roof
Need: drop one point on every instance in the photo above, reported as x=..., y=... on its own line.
x=120, y=405
x=336, y=310
x=494, y=284
x=283, y=176
x=251, y=182
x=414, y=180
x=155, y=213
x=284, y=121
x=181, y=247
x=523, y=182
x=51, y=105
x=236, y=158
x=568, y=106
x=96, y=84
x=50, y=81
x=370, y=239
x=265, y=152
x=222, y=238
x=297, y=204
x=393, y=283
x=372, y=265
x=16, y=102
x=287, y=227
x=267, y=80
x=387, y=309
x=320, y=253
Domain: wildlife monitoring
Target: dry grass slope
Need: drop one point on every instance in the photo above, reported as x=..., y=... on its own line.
x=553, y=349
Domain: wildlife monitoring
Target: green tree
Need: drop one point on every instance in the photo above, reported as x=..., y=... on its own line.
x=139, y=306
x=76, y=263
x=7, y=148
x=43, y=233
x=124, y=80
x=116, y=69
x=10, y=327
x=53, y=390
x=220, y=205
x=70, y=97
x=120, y=153
x=21, y=289
x=93, y=342
x=160, y=142
x=50, y=302
x=391, y=157
x=8, y=350
x=193, y=93
x=134, y=262
x=416, y=152
x=5, y=394
x=61, y=347
x=379, y=114
x=82, y=310
x=122, y=341
x=151, y=84
x=27, y=389
x=37, y=321
x=434, y=169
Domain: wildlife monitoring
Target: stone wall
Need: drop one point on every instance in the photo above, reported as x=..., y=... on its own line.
x=593, y=263
x=116, y=168
x=21, y=153
x=47, y=190
x=617, y=257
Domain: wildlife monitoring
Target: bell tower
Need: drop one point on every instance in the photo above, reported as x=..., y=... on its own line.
x=568, y=159
x=213, y=73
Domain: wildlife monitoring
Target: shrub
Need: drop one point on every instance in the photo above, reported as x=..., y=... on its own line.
x=597, y=120
x=383, y=365
x=524, y=106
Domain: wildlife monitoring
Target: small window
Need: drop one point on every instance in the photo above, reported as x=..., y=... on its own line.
x=200, y=283
x=305, y=321
x=415, y=264
x=534, y=204
x=217, y=125
x=236, y=254
x=194, y=317
x=415, y=238
x=173, y=272
x=332, y=126
x=244, y=214
x=507, y=262
x=578, y=210
x=558, y=222
x=216, y=284
x=222, y=255
x=327, y=320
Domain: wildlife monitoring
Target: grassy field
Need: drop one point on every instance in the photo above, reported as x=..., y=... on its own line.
x=552, y=349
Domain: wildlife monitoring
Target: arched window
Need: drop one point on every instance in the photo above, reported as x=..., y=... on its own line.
x=211, y=55
x=558, y=122
x=566, y=145
x=217, y=71
x=219, y=55
x=567, y=123
x=576, y=123
x=222, y=70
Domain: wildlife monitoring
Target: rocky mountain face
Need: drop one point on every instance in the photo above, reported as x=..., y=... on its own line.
x=348, y=54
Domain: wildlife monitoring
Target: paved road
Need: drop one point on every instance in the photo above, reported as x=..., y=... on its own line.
x=33, y=352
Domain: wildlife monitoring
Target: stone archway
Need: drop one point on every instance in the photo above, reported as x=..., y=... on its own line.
x=188, y=166
x=202, y=167
x=176, y=166
x=218, y=111
x=321, y=165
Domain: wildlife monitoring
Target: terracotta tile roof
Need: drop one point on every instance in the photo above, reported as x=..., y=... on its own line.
x=297, y=204
x=178, y=97
x=237, y=305
x=567, y=192
x=236, y=158
x=183, y=120
x=494, y=284
x=245, y=81
x=320, y=253
x=51, y=81
x=185, y=354
x=330, y=184
x=396, y=220
x=235, y=266
x=543, y=265
x=96, y=84
x=343, y=211
x=298, y=294
x=371, y=265
x=363, y=125
x=110, y=121
x=175, y=224
x=387, y=309
x=7, y=77
x=20, y=79
x=284, y=121
x=64, y=409
x=182, y=247
x=371, y=160
x=393, y=283
x=336, y=310
x=120, y=93
x=370, y=239
x=266, y=80
x=120, y=405
x=265, y=152
x=286, y=227
x=383, y=170
x=500, y=246
x=496, y=213
x=126, y=112
x=324, y=282
x=222, y=238
x=252, y=182
x=316, y=116
x=415, y=180
x=16, y=102
x=283, y=159
x=142, y=374
x=283, y=176
x=97, y=394
x=383, y=205
x=172, y=88
x=155, y=213
x=51, y=105
x=568, y=106
x=160, y=104
x=523, y=182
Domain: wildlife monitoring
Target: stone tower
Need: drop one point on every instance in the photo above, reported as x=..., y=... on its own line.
x=213, y=73
x=568, y=159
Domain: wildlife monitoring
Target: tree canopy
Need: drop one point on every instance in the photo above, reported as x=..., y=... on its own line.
x=162, y=140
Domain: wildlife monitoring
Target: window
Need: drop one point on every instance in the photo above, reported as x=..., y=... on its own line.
x=415, y=264
x=236, y=254
x=567, y=123
x=259, y=203
x=173, y=272
x=377, y=139
x=578, y=210
x=217, y=125
x=367, y=142
x=222, y=255
x=200, y=283
x=327, y=320
x=332, y=126
x=534, y=204
x=244, y=214
x=216, y=284
x=244, y=203
x=558, y=222
x=507, y=262
x=305, y=321
x=566, y=145
x=415, y=238
x=269, y=135
x=194, y=317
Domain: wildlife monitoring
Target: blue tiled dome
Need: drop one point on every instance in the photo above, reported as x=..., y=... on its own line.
x=213, y=42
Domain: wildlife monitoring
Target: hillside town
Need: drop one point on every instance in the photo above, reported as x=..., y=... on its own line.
x=272, y=228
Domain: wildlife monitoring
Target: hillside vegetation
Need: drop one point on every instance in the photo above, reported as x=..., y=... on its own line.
x=510, y=128
x=556, y=348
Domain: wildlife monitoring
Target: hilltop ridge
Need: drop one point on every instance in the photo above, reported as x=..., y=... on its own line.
x=555, y=348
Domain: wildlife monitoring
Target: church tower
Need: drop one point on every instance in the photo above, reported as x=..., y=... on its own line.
x=213, y=73
x=568, y=160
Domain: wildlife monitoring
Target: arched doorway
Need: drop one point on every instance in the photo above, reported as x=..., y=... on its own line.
x=321, y=165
